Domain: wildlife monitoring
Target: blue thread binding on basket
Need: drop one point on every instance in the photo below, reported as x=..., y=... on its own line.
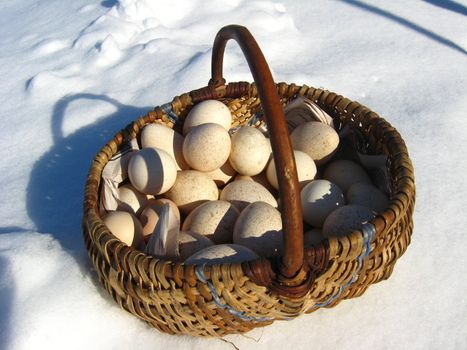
x=167, y=108
x=241, y=314
x=369, y=232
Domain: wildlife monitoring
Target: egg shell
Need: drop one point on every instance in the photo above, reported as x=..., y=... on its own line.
x=312, y=237
x=214, y=219
x=250, y=151
x=152, y=171
x=222, y=254
x=130, y=199
x=125, y=227
x=344, y=173
x=222, y=175
x=259, y=227
x=207, y=147
x=369, y=196
x=191, y=189
x=306, y=169
x=261, y=178
x=191, y=242
x=160, y=136
x=157, y=203
x=243, y=192
x=319, y=198
x=344, y=220
x=209, y=111
x=316, y=139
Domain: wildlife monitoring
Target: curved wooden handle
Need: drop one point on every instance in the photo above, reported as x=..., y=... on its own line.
x=289, y=190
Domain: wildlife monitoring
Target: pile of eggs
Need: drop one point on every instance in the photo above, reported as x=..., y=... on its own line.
x=223, y=188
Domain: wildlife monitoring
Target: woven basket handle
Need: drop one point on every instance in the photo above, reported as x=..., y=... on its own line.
x=292, y=260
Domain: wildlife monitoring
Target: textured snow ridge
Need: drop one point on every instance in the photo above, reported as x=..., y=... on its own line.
x=74, y=73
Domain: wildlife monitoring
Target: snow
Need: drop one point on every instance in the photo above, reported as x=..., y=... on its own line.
x=73, y=73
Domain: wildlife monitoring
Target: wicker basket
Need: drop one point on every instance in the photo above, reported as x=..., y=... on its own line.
x=233, y=298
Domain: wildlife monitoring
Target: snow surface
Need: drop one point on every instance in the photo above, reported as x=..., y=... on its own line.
x=74, y=72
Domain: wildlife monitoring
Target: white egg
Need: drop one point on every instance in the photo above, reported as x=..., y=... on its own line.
x=206, y=147
x=160, y=136
x=191, y=189
x=223, y=174
x=367, y=195
x=243, y=192
x=152, y=171
x=346, y=219
x=250, y=151
x=214, y=219
x=306, y=169
x=316, y=139
x=125, y=227
x=345, y=173
x=222, y=254
x=209, y=111
x=312, y=237
x=259, y=227
x=191, y=242
x=320, y=198
x=130, y=200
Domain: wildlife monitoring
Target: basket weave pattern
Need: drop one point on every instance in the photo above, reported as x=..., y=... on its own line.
x=222, y=299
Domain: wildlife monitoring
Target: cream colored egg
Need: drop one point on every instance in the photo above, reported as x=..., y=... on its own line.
x=250, y=151
x=243, y=192
x=306, y=169
x=316, y=139
x=191, y=242
x=150, y=214
x=261, y=178
x=152, y=171
x=319, y=198
x=191, y=189
x=222, y=175
x=209, y=111
x=130, y=200
x=346, y=219
x=125, y=227
x=214, y=219
x=369, y=196
x=222, y=254
x=206, y=147
x=259, y=227
x=312, y=237
x=345, y=173
x=162, y=137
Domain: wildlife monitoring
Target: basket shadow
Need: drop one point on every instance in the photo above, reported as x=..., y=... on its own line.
x=406, y=23
x=55, y=189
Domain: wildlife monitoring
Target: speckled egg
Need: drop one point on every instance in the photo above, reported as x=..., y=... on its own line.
x=221, y=254
x=152, y=171
x=306, y=169
x=345, y=173
x=162, y=137
x=191, y=189
x=125, y=227
x=243, y=192
x=130, y=200
x=316, y=139
x=369, y=196
x=222, y=175
x=214, y=219
x=191, y=242
x=259, y=227
x=209, y=111
x=206, y=147
x=344, y=220
x=150, y=214
x=250, y=151
x=320, y=198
